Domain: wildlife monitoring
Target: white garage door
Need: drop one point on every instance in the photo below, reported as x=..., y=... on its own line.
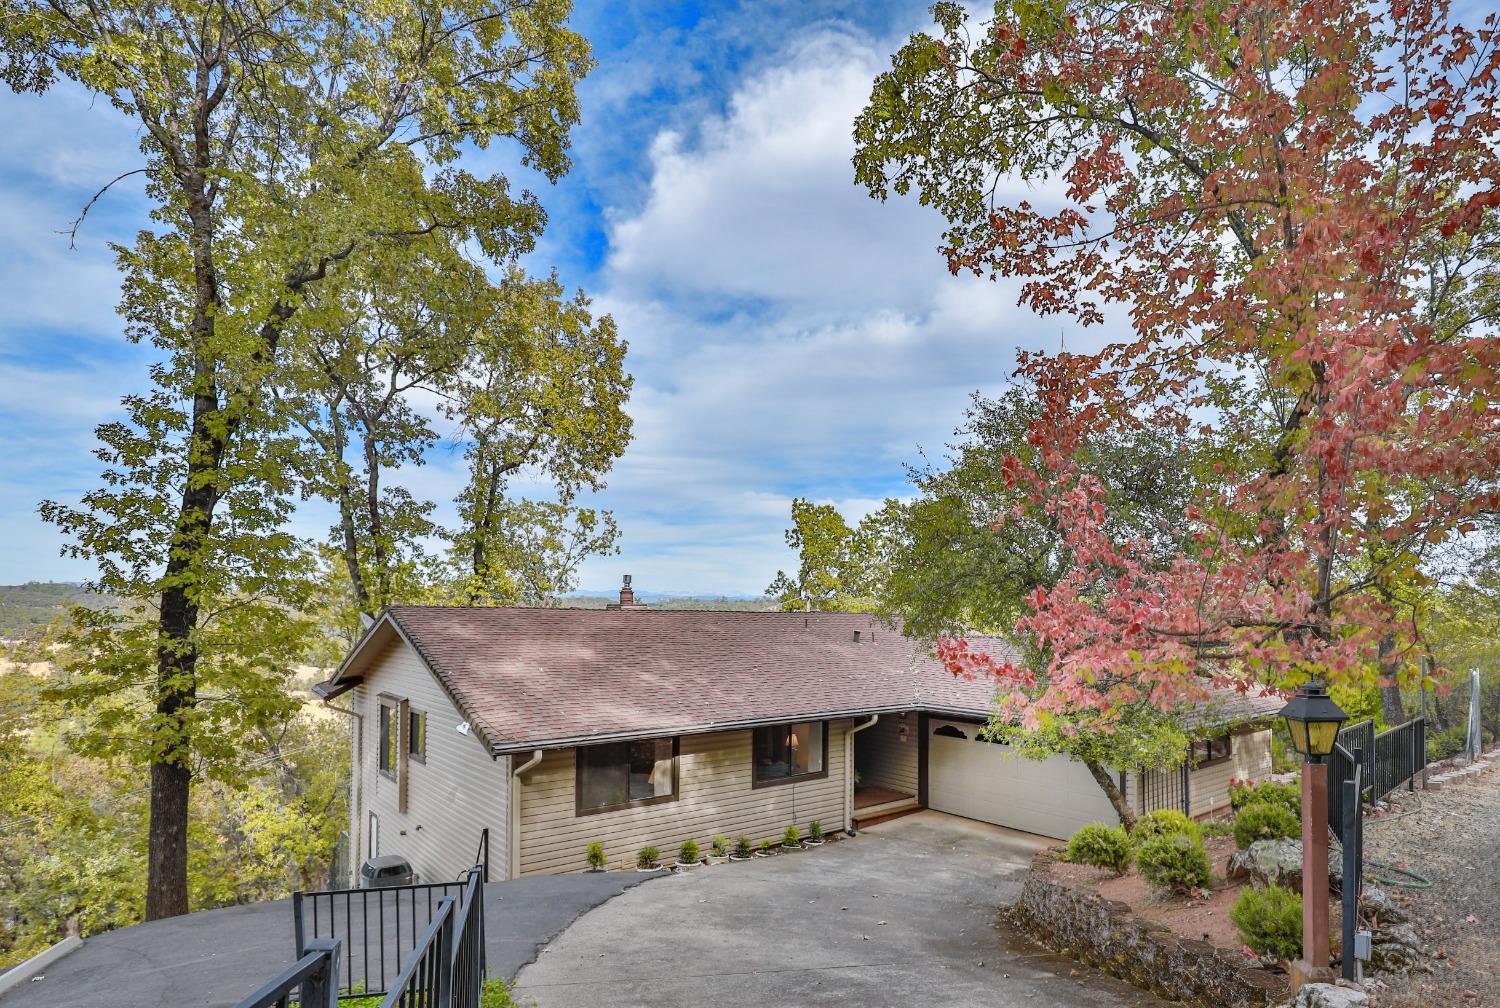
x=978, y=780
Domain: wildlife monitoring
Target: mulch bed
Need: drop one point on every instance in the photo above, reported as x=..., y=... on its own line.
x=1205, y=919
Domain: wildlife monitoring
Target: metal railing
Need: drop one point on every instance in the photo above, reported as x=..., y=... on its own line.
x=1347, y=799
x=1355, y=738
x=315, y=977
x=378, y=928
x=446, y=968
x=1166, y=789
x=1398, y=756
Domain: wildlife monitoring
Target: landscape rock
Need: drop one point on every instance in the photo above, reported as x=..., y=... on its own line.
x=1319, y=995
x=1107, y=934
x=1376, y=906
x=1396, y=949
x=1279, y=862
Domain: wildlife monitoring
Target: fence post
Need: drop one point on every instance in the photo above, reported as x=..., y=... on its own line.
x=321, y=989
x=297, y=931
x=444, y=988
x=1187, y=794
x=1349, y=887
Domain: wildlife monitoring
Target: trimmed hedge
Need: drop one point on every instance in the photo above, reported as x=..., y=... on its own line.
x=1102, y=846
x=1174, y=861
x=1289, y=796
x=1165, y=822
x=1264, y=821
x=1270, y=921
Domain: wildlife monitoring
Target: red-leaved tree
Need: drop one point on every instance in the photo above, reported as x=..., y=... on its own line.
x=1293, y=204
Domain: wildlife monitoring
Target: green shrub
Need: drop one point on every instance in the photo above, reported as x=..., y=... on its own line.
x=689, y=853
x=1447, y=743
x=595, y=856
x=1174, y=861
x=719, y=846
x=1270, y=921
x=792, y=837
x=1289, y=796
x=1217, y=828
x=766, y=845
x=1102, y=846
x=647, y=857
x=815, y=831
x=1164, y=822
x=1264, y=821
x=743, y=847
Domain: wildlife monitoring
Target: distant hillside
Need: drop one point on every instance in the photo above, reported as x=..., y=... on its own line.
x=720, y=602
x=36, y=603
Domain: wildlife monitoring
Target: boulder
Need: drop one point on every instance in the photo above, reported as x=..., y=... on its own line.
x=1279, y=862
x=1377, y=907
x=1396, y=949
x=1321, y=995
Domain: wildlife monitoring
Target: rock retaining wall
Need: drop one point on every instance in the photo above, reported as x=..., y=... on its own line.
x=1107, y=935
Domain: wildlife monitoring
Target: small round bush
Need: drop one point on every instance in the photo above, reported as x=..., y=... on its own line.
x=1164, y=822
x=815, y=831
x=743, y=848
x=1174, y=861
x=689, y=853
x=792, y=837
x=647, y=857
x=1102, y=846
x=595, y=855
x=719, y=846
x=1288, y=796
x=1264, y=821
x=1270, y=921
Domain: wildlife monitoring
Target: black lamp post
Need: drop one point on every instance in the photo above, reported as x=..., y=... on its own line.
x=1314, y=721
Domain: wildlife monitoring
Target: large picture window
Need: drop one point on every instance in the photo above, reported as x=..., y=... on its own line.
x=622, y=774
x=790, y=752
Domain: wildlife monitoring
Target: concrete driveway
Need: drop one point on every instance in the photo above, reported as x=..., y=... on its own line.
x=904, y=914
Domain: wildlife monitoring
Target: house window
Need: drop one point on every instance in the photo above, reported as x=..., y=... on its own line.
x=790, y=752
x=390, y=737
x=621, y=774
x=1212, y=750
x=416, y=735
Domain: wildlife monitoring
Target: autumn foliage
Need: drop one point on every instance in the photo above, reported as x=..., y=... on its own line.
x=1291, y=207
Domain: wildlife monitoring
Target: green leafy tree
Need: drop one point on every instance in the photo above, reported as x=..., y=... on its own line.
x=838, y=566
x=280, y=144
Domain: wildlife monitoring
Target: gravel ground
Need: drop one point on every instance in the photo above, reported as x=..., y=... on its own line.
x=1452, y=837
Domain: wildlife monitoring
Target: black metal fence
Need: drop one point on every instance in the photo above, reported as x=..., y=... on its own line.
x=1397, y=758
x=1394, y=757
x=446, y=968
x=377, y=928
x=1166, y=789
x=315, y=977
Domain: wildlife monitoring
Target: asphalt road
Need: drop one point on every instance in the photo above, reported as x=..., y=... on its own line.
x=905, y=914
x=214, y=958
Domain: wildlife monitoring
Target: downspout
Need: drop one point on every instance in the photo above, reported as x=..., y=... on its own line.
x=849, y=771
x=513, y=842
x=357, y=788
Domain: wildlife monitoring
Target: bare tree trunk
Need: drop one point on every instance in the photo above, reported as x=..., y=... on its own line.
x=1111, y=788
x=1390, y=689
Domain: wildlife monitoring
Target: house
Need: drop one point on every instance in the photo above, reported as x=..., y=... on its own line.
x=554, y=728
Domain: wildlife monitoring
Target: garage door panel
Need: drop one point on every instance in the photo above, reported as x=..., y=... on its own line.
x=979, y=780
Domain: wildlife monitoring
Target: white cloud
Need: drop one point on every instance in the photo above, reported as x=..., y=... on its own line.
x=789, y=335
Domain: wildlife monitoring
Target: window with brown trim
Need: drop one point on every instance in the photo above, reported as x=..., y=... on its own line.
x=416, y=735
x=1207, y=751
x=790, y=752
x=390, y=736
x=620, y=775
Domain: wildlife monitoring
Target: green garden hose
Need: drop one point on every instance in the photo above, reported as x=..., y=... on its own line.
x=1401, y=878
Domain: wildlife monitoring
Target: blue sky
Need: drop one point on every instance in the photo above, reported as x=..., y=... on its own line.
x=789, y=336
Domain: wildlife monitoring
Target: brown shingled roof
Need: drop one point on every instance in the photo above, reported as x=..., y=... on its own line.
x=532, y=678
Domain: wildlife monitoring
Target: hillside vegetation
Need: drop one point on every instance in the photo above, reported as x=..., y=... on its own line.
x=37, y=603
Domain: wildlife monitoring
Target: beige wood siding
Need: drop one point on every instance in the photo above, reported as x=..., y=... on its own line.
x=451, y=797
x=714, y=796
x=885, y=757
x=1209, y=786
x=1250, y=758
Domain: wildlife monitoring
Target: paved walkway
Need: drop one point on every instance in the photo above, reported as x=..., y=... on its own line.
x=214, y=958
x=905, y=914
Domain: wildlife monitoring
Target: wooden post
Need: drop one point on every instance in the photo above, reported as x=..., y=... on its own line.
x=1315, y=867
